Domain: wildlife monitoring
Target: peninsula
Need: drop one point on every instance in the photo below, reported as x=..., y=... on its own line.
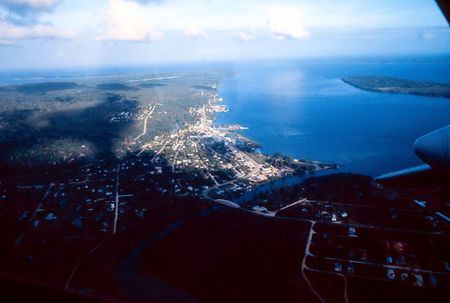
x=392, y=85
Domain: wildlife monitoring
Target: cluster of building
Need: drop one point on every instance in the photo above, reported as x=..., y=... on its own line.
x=390, y=240
x=138, y=114
x=407, y=257
x=219, y=154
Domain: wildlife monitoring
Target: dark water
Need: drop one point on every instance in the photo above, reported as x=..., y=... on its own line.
x=303, y=109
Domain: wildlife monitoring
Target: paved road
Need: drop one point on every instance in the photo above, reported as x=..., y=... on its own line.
x=116, y=208
x=38, y=208
x=144, y=131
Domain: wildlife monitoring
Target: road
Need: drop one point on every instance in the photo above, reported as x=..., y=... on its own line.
x=305, y=267
x=203, y=164
x=72, y=274
x=162, y=148
x=303, y=273
x=144, y=147
x=255, y=171
x=257, y=167
x=38, y=208
x=175, y=157
x=116, y=208
x=144, y=130
x=292, y=204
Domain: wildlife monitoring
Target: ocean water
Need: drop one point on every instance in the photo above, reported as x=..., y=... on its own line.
x=301, y=108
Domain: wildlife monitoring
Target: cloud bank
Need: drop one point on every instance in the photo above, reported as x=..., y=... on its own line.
x=287, y=23
x=102, y=32
x=21, y=21
x=126, y=22
x=9, y=31
x=25, y=7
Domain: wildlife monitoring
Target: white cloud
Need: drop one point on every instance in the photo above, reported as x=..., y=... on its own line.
x=125, y=21
x=194, y=32
x=246, y=36
x=21, y=21
x=287, y=23
x=10, y=31
x=31, y=4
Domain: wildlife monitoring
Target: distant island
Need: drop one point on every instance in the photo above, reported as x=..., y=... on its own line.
x=392, y=85
x=44, y=87
x=114, y=86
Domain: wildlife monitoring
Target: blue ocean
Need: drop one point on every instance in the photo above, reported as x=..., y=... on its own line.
x=301, y=108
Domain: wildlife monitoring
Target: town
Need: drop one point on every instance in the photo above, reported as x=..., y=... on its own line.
x=230, y=161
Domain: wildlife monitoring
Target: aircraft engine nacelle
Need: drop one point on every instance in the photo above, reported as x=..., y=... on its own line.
x=434, y=149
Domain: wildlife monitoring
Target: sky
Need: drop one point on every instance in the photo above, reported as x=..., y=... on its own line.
x=36, y=34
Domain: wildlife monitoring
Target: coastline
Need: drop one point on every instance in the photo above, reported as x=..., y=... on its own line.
x=289, y=179
x=392, y=85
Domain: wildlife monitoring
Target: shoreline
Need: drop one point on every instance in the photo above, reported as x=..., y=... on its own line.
x=320, y=168
x=390, y=85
